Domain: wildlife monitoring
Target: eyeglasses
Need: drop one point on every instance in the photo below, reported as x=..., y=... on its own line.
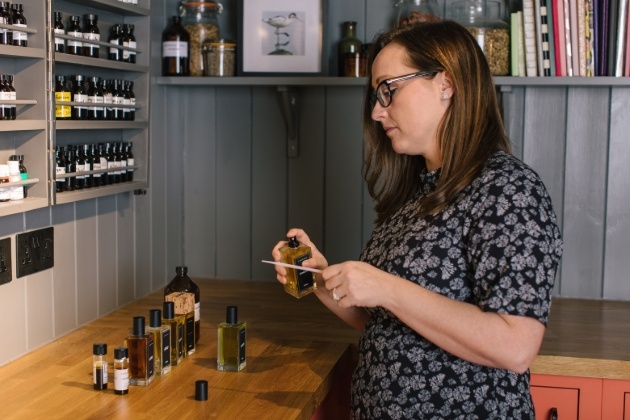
x=383, y=92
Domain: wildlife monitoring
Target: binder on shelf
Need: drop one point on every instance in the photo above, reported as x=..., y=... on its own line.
x=542, y=36
x=522, y=67
x=514, y=44
x=529, y=25
x=613, y=16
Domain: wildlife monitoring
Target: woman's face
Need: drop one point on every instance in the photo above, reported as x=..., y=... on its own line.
x=417, y=107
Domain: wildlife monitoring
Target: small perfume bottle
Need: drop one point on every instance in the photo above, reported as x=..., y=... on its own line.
x=176, y=325
x=299, y=282
x=99, y=365
x=121, y=371
x=231, y=342
x=162, y=338
x=141, y=354
x=185, y=307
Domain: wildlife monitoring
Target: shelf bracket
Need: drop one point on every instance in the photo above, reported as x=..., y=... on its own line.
x=288, y=102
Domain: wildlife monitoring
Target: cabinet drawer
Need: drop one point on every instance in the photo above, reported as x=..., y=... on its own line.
x=575, y=398
x=616, y=399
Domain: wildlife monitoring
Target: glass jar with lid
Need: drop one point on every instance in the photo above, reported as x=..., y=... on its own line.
x=199, y=18
x=219, y=58
x=412, y=11
x=484, y=20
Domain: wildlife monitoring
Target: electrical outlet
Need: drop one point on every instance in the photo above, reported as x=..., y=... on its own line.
x=5, y=260
x=35, y=251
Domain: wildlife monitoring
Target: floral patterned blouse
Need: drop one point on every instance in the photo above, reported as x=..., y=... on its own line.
x=496, y=246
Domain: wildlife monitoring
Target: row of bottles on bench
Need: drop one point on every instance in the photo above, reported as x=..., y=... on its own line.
x=119, y=34
x=116, y=157
x=102, y=95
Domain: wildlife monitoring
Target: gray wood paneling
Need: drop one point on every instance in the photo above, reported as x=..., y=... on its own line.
x=70, y=296
x=106, y=239
x=125, y=244
x=85, y=246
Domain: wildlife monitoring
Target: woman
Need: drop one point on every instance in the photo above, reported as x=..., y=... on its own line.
x=453, y=290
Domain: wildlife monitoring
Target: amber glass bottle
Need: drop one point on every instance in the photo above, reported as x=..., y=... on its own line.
x=299, y=282
x=141, y=354
x=182, y=283
x=175, y=49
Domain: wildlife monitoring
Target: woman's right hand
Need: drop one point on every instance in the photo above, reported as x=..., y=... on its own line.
x=317, y=259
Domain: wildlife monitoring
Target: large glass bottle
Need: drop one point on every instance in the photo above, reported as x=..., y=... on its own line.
x=182, y=283
x=115, y=39
x=129, y=40
x=299, y=282
x=200, y=21
x=349, y=48
x=91, y=33
x=412, y=11
x=175, y=49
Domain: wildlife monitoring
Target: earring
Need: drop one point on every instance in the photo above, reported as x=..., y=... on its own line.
x=445, y=95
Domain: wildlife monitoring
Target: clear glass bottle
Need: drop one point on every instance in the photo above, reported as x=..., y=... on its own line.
x=75, y=46
x=121, y=371
x=483, y=19
x=91, y=33
x=200, y=20
x=412, y=11
x=162, y=338
x=231, y=355
x=175, y=49
x=348, y=49
x=176, y=325
x=58, y=28
x=182, y=283
x=99, y=366
x=20, y=38
x=141, y=354
x=299, y=282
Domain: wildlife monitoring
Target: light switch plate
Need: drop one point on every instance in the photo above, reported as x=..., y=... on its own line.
x=5, y=261
x=35, y=251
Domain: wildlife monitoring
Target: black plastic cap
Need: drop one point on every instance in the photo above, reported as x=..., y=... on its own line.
x=231, y=315
x=121, y=353
x=138, y=325
x=155, y=318
x=293, y=242
x=168, y=310
x=181, y=270
x=99, y=349
x=201, y=390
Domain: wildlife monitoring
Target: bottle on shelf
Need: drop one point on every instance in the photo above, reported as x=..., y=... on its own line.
x=12, y=95
x=79, y=94
x=108, y=100
x=60, y=170
x=91, y=33
x=118, y=98
x=103, y=151
x=89, y=166
x=118, y=162
x=131, y=116
x=6, y=35
x=176, y=325
x=231, y=338
x=17, y=193
x=126, y=100
x=59, y=29
x=23, y=171
x=349, y=51
x=5, y=95
x=99, y=366
x=121, y=370
x=162, y=338
x=96, y=165
x=5, y=177
x=95, y=97
x=141, y=354
x=115, y=39
x=111, y=164
x=130, y=161
x=71, y=168
x=20, y=38
x=79, y=182
x=181, y=283
x=75, y=46
x=129, y=41
x=62, y=94
x=175, y=49
x=299, y=282
x=123, y=162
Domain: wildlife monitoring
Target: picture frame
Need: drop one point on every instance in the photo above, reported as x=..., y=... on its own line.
x=281, y=38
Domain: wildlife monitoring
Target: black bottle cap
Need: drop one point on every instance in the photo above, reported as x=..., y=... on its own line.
x=121, y=353
x=201, y=390
x=231, y=315
x=90, y=16
x=168, y=310
x=99, y=349
x=293, y=242
x=181, y=270
x=138, y=325
x=58, y=15
x=155, y=318
x=75, y=18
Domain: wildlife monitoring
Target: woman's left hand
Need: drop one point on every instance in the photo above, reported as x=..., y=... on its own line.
x=355, y=283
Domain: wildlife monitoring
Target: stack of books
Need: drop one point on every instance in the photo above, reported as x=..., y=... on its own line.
x=568, y=38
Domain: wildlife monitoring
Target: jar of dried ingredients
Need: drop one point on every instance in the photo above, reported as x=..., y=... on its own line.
x=200, y=21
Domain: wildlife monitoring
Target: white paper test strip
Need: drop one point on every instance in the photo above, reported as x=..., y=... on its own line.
x=299, y=267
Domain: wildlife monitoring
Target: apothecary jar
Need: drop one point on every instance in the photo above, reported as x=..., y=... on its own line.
x=412, y=11
x=200, y=19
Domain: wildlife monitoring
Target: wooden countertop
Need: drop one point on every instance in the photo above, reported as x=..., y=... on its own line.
x=294, y=349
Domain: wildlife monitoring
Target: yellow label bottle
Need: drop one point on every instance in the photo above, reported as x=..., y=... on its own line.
x=299, y=282
x=62, y=94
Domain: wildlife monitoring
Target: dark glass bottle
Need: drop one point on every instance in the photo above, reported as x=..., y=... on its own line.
x=58, y=28
x=129, y=40
x=95, y=97
x=130, y=161
x=126, y=100
x=108, y=98
x=115, y=38
x=62, y=94
x=79, y=183
x=71, y=167
x=6, y=35
x=111, y=163
x=89, y=166
x=23, y=173
x=79, y=94
x=123, y=161
x=91, y=33
x=181, y=283
x=118, y=98
x=96, y=165
x=349, y=49
x=175, y=49
x=12, y=95
x=117, y=163
x=75, y=46
x=141, y=354
x=104, y=163
x=5, y=94
x=60, y=180
x=131, y=116
x=20, y=38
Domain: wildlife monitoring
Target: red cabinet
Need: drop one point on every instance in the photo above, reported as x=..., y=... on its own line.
x=573, y=397
x=616, y=400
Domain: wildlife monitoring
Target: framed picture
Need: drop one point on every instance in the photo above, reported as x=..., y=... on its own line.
x=281, y=37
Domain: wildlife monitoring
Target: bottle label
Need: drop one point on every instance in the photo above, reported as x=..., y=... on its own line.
x=19, y=35
x=304, y=278
x=197, y=311
x=180, y=340
x=190, y=334
x=60, y=170
x=176, y=49
x=60, y=41
x=63, y=111
x=241, y=345
x=166, y=347
x=80, y=97
x=113, y=50
x=91, y=37
x=150, y=359
x=121, y=379
x=99, y=372
x=75, y=43
x=80, y=168
x=130, y=162
x=95, y=167
x=126, y=53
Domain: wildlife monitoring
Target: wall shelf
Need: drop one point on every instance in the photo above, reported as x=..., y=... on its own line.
x=87, y=193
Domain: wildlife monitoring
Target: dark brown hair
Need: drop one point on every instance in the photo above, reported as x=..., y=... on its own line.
x=470, y=131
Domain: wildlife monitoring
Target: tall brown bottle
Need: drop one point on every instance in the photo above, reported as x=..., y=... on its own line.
x=183, y=283
x=175, y=49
